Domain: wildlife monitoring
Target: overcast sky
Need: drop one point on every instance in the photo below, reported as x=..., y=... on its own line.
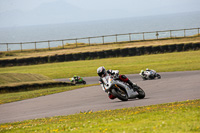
x=35, y=12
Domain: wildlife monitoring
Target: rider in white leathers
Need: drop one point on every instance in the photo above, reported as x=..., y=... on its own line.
x=101, y=71
x=147, y=73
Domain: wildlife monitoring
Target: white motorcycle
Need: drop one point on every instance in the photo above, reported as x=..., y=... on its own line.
x=149, y=75
x=122, y=90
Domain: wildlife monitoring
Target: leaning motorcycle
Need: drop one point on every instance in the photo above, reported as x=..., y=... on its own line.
x=146, y=75
x=122, y=90
x=79, y=81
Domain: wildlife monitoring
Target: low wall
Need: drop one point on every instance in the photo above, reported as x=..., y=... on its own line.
x=101, y=54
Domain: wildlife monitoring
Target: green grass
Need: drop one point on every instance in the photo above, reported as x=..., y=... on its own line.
x=13, y=79
x=182, y=61
x=166, y=118
x=7, y=78
x=18, y=96
x=178, y=61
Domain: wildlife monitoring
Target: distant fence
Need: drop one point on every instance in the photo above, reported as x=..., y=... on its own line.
x=134, y=51
x=76, y=42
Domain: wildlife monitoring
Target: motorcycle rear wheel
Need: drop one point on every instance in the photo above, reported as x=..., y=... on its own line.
x=117, y=93
x=73, y=82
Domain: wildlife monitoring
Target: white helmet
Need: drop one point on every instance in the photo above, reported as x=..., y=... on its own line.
x=101, y=71
x=147, y=69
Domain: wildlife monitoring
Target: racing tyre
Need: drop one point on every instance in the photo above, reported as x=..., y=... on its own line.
x=120, y=94
x=144, y=78
x=158, y=76
x=84, y=82
x=141, y=93
x=151, y=77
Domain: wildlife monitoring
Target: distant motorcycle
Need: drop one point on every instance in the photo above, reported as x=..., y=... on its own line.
x=151, y=74
x=122, y=90
x=78, y=80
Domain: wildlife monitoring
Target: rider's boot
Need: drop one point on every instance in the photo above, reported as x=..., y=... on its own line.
x=125, y=79
x=132, y=85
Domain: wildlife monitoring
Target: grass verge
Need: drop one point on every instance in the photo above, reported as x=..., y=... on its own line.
x=17, y=96
x=171, y=117
x=177, y=61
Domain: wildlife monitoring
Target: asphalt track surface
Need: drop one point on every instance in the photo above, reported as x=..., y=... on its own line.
x=172, y=87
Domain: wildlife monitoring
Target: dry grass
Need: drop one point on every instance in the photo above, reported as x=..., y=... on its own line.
x=16, y=78
x=95, y=47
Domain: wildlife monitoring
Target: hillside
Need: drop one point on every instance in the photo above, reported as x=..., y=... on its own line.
x=94, y=47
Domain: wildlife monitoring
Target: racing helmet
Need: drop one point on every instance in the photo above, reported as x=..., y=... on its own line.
x=101, y=71
x=147, y=69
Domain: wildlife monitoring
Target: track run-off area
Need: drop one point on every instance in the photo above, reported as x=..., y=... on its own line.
x=172, y=87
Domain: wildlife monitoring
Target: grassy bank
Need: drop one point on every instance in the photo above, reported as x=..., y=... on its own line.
x=17, y=82
x=171, y=117
x=94, y=47
x=16, y=78
x=178, y=61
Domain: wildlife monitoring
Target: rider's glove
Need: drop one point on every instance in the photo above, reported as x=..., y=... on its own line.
x=115, y=72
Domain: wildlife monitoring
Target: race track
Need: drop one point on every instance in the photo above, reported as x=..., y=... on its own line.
x=174, y=86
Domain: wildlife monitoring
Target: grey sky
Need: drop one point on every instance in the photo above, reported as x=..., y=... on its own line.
x=6, y=5
x=35, y=12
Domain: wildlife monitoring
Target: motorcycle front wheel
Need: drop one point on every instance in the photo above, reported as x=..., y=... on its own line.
x=158, y=76
x=120, y=94
x=141, y=93
x=144, y=78
x=84, y=82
